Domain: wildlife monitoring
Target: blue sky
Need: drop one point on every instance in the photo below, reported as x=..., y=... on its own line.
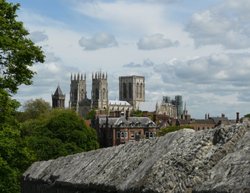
x=197, y=49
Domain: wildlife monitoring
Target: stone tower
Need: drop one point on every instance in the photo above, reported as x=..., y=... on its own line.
x=78, y=91
x=99, y=99
x=179, y=105
x=132, y=90
x=58, y=98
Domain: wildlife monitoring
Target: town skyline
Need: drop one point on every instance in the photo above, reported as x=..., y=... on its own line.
x=194, y=49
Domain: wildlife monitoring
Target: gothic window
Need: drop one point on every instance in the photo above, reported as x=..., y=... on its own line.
x=137, y=90
x=130, y=88
x=124, y=90
x=141, y=90
x=97, y=93
x=75, y=95
x=118, y=134
x=104, y=93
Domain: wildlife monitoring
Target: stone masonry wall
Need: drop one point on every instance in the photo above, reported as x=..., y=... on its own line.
x=216, y=160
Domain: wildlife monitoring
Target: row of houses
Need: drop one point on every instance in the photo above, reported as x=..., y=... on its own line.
x=119, y=130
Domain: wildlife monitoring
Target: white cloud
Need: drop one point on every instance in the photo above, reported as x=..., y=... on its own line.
x=100, y=40
x=124, y=16
x=226, y=25
x=38, y=36
x=221, y=74
x=146, y=63
x=155, y=41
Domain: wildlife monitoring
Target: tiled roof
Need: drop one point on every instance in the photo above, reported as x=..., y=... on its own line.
x=130, y=122
x=117, y=102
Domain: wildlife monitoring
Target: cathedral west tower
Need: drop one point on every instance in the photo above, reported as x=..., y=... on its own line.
x=99, y=99
x=78, y=91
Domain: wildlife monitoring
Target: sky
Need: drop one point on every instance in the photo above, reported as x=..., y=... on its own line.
x=197, y=49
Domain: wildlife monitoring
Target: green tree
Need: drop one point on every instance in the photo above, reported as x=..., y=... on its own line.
x=58, y=133
x=15, y=157
x=33, y=109
x=137, y=113
x=247, y=115
x=17, y=54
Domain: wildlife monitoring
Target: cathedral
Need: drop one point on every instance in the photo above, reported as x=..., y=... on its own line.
x=131, y=94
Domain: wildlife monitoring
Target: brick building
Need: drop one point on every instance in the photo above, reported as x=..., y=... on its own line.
x=119, y=130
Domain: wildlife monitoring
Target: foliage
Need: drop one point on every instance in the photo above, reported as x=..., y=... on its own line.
x=8, y=108
x=247, y=115
x=33, y=109
x=137, y=113
x=17, y=54
x=91, y=115
x=15, y=157
x=58, y=133
x=170, y=129
x=17, y=51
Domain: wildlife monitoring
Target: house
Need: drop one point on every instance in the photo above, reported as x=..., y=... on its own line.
x=119, y=130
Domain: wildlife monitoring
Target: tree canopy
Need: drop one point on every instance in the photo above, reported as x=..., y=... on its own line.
x=58, y=133
x=32, y=109
x=17, y=52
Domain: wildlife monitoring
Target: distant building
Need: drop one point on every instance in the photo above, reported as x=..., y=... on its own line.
x=170, y=108
x=132, y=90
x=207, y=123
x=179, y=105
x=115, y=108
x=58, y=98
x=119, y=130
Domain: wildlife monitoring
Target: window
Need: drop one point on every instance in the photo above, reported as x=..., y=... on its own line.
x=141, y=90
x=147, y=134
x=118, y=134
x=130, y=92
x=103, y=93
x=132, y=135
x=124, y=90
x=126, y=134
x=97, y=93
x=137, y=90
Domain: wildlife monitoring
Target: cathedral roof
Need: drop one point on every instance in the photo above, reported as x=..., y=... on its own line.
x=117, y=102
x=58, y=91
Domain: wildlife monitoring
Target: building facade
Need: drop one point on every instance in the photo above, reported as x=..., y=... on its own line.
x=171, y=108
x=115, y=108
x=132, y=90
x=119, y=130
x=131, y=93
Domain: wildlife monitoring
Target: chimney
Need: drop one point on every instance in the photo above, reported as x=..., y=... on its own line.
x=237, y=117
x=222, y=115
x=206, y=116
